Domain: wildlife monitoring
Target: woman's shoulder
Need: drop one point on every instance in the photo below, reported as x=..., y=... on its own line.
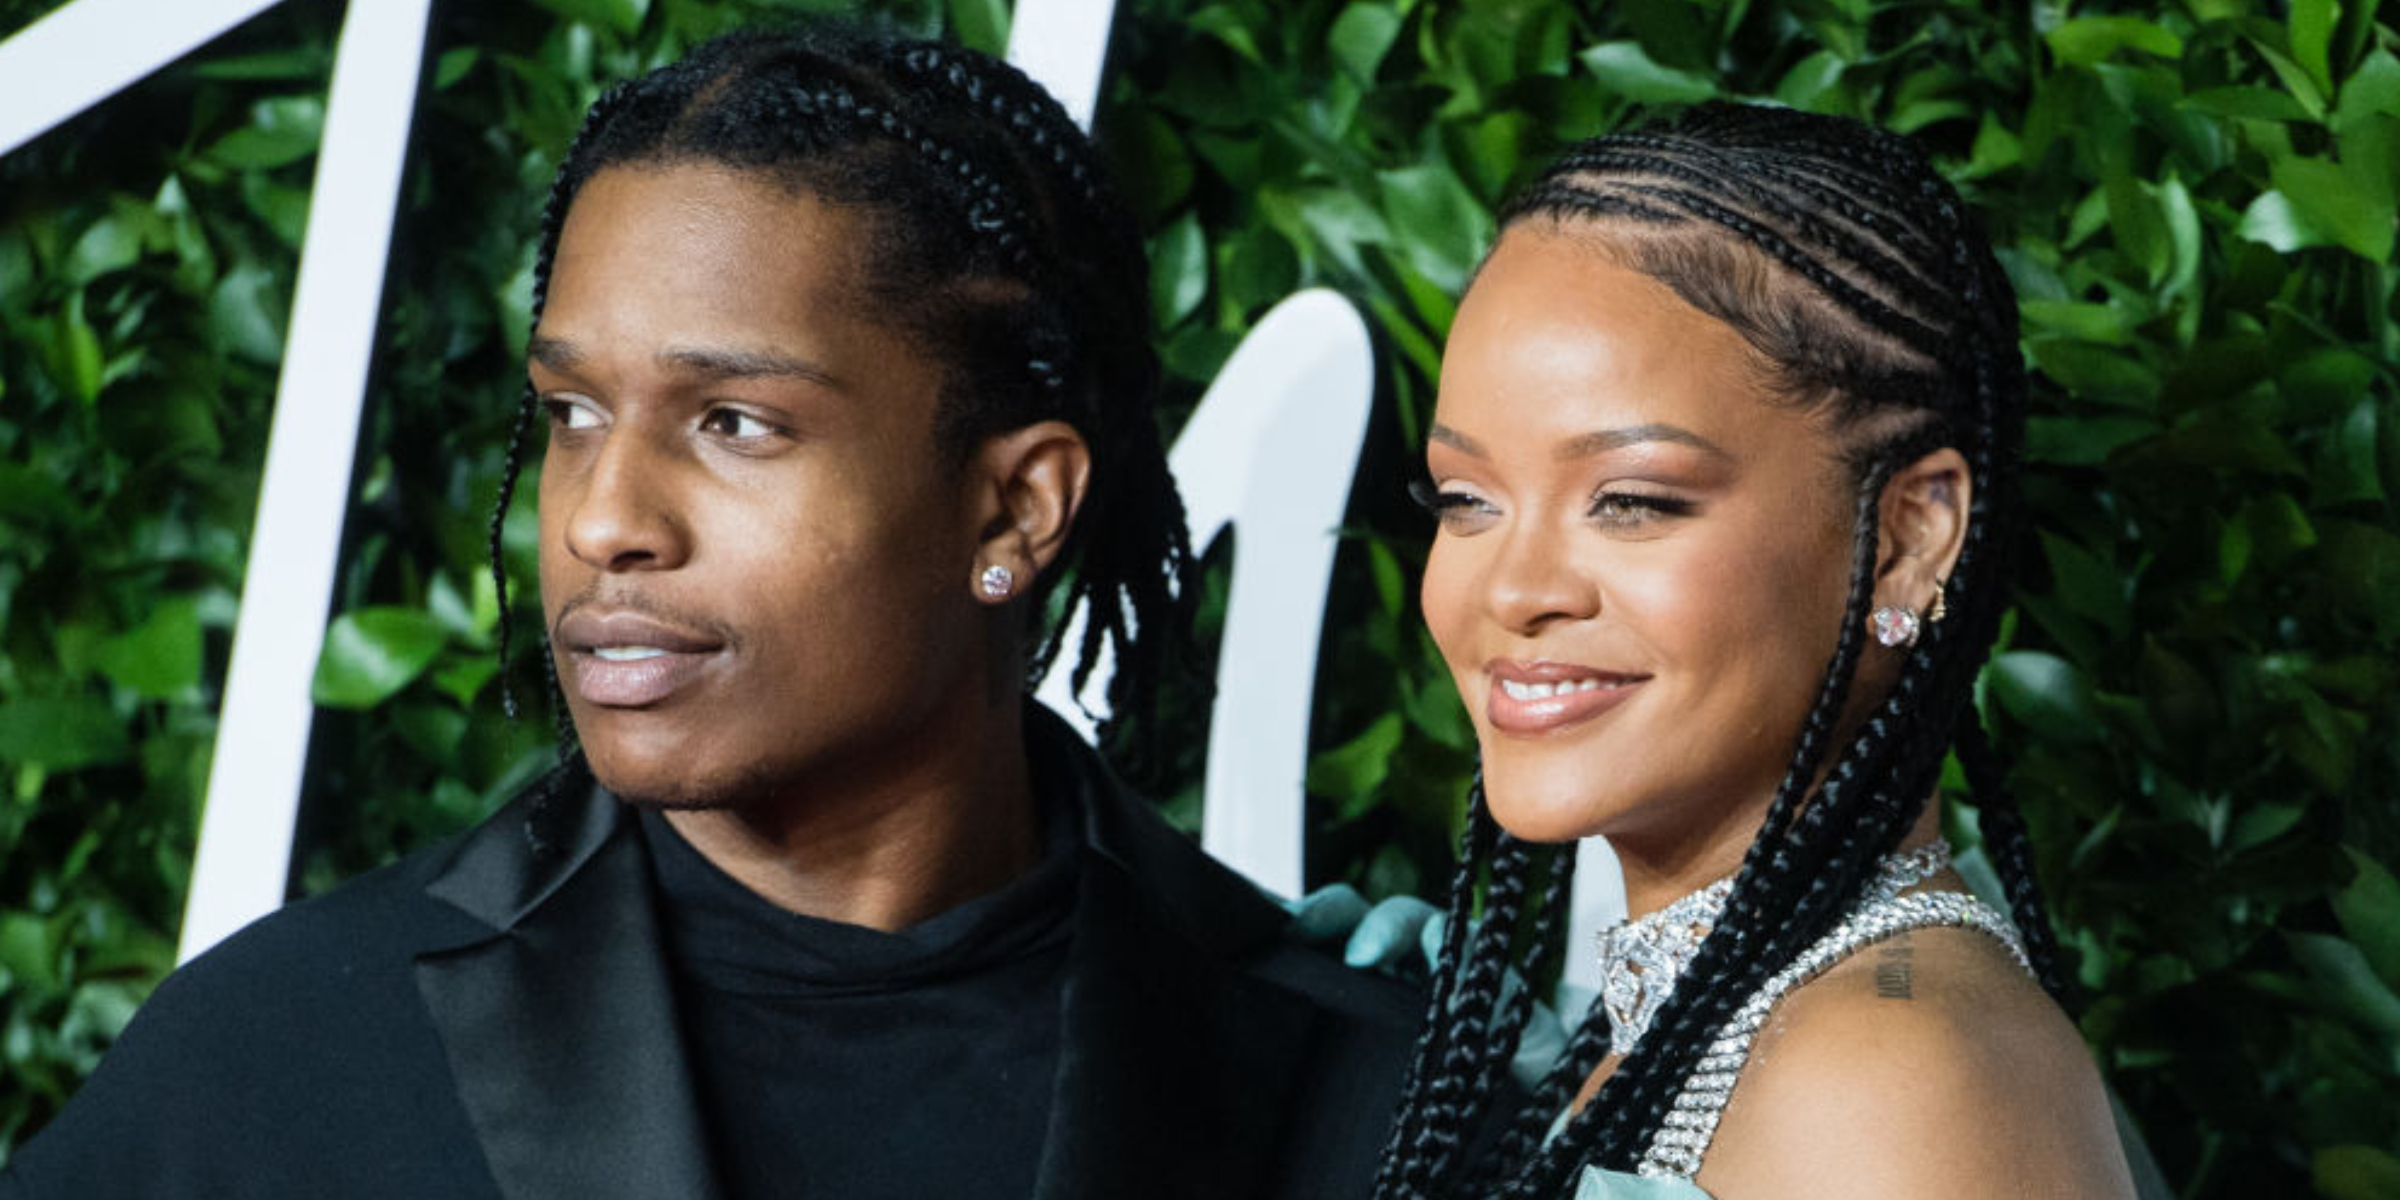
x=1927, y=1063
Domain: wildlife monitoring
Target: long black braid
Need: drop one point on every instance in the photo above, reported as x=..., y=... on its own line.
x=1476, y=1027
x=1865, y=285
x=996, y=236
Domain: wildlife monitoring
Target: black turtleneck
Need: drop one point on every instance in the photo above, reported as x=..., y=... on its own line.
x=840, y=1062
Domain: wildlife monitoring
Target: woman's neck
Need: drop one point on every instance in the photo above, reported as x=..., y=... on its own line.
x=1660, y=871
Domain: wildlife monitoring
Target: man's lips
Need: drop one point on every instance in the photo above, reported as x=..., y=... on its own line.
x=625, y=659
x=1539, y=697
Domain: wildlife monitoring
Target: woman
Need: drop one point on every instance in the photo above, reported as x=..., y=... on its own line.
x=1724, y=465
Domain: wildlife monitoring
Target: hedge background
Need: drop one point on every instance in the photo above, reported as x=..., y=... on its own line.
x=2200, y=685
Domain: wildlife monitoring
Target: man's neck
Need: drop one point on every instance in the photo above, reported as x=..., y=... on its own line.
x=889, y=848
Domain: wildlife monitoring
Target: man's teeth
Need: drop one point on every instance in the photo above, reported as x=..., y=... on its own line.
x=626, y=653
x=1544, y=691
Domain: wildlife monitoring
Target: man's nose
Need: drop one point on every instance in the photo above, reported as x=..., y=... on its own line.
x=623, y=517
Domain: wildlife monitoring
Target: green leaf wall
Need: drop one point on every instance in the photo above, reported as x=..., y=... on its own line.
x=2200, y=685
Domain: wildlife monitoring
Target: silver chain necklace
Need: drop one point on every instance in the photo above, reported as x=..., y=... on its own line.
x=1640, y=960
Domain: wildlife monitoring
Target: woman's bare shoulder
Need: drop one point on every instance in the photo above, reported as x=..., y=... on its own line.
x=1927, y=1064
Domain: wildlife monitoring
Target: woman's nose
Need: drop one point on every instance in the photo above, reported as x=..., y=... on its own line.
x=1534, y=581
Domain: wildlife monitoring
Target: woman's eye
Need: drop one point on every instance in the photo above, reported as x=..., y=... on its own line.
x=568, y=413
x=1635, y=508
x=734, y=423
x=1452, y=509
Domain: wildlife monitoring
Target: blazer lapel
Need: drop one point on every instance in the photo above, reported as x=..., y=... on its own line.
x=561, y=1027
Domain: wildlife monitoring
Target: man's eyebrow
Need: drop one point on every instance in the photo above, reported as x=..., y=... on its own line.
x=708, y=362
x=553, y=353
x=1604, y=440
x=1455, y=440
x=723, y=362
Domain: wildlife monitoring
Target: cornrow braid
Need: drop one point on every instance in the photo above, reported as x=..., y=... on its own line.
x=1484, y=1009
x=1490, y=1003
x=571, y=774
x=1867, y=289
x=512, y=462
x=1665, y=155
x=1548, y=941
x=1403, y=1167
x=1150, y=565
x=2011, y=851
x=1807, y=227
x=1146, y=567
x=995, y=235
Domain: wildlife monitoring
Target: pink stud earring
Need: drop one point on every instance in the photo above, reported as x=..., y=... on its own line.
x=1894, y=625
x=997, y=582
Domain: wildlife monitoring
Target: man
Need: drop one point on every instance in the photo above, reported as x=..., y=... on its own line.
x=840, y=345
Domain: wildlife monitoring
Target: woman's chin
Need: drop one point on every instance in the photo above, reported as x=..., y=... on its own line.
x=1536, y=813
x=1563, y=806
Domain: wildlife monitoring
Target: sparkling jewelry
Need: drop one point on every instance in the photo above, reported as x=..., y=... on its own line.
x=1676, y=1149
x=1894, y=625
x=1640, y=960
x=997, y=581
x=1934, y=615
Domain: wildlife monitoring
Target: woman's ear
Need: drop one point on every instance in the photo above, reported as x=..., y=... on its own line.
x=1922, y=526
x=1029, y=482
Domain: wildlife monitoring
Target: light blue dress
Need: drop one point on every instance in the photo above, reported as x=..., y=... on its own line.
x=1617, y=1185
x=1676, y=1149
x=1599, y=1183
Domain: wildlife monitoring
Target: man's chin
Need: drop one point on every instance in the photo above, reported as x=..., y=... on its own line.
x=680, y=794
x=672, y=803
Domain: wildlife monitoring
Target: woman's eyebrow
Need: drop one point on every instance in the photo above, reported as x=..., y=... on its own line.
x=1455, y=440
x=1604, y=440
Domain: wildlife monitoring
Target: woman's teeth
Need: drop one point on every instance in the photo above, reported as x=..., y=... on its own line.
x=626, y=653
x=1544, y=691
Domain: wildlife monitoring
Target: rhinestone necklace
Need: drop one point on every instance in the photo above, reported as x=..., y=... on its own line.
x=1640, y=960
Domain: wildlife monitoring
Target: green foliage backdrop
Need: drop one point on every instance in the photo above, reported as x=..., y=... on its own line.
x=2199, y=686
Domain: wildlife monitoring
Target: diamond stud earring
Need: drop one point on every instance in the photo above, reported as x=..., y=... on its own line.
x=997, y=581
x=1894, y=625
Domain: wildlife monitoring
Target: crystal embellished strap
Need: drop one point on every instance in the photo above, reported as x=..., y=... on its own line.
x=1676, y=1148
x=1641, y=959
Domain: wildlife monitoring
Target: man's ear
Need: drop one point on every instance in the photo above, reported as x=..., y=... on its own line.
x=1029, y=483
x=1920, y=530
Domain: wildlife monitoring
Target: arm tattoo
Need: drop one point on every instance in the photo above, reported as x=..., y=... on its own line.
x=1892, y=980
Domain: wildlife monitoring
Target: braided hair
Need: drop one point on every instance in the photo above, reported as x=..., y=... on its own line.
x=996, y=236
x=1869, y=292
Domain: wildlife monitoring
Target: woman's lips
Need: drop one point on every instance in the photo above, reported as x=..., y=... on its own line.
x=1536, y=698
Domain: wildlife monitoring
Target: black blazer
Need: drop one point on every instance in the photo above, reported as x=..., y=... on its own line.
x=493, y=1018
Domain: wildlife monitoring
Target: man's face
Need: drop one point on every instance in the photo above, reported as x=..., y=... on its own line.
x=755, y=564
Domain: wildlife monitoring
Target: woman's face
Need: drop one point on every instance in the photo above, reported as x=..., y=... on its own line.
x=1642, y=559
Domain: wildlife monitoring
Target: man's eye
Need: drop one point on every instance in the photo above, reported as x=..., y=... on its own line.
x=734, y=423
x=567, y=413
